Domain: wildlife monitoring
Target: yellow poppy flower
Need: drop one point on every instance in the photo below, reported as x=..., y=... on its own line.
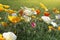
x=14, y=19
x=43, y=6
x=1, y=9
x=55, y=10
x=33, y=16
x=1, y=37
x=6, y=6
x=1, y=5
x=22, y=18
x=33, y=9
x=6, y=10
x=59, y=28
x=10, y=11
x=50, y=27
x=4, y=24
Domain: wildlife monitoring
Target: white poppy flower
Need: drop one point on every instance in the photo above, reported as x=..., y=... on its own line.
x=46, y=19
x=26, y=18
x=49, y=20
x=57, y=16
x=29, y=12
x=54, y=24
x=9, y=36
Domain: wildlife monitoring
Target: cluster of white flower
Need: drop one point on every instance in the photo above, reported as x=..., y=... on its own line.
x=9, y=36
x=49, y=20
x=28, y=12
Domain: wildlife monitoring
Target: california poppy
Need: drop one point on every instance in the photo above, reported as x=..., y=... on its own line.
x=38, y=12
x=55, y=10
x=10, y=11
x=59, y=28
x=1, y=5
x=21, y=12
x=4, y=24
x=1, y=37
x=1, y=9
x=43, y=6
x=6, y=6
x=14, y=19
x=46, y=13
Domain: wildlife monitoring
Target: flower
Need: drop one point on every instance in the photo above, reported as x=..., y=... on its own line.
x=54, y=24
x=1, y=37
x=4, y=24
x=33, y=9
x=50, y=28
x=46, y=13
x=1, y=5
x=21, y=12
x=57, y=16
x=46, y=19
x=9, y=36
x=10, y=11
x=14, y=19
x=6, y=6
x=55, y=10
x=6, y=10
x=27, y=11
x=1, y=9
x=59, y=28
x=26, y=18
x=33, y=16
x=33, y=24
x=43, y=6
x=22, y=18
x=38, y=12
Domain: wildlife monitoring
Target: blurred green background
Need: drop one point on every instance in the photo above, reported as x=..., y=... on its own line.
x=16, y=4
x=24, y=30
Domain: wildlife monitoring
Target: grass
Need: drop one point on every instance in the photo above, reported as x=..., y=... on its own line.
x=16, y=4
x=24, y=31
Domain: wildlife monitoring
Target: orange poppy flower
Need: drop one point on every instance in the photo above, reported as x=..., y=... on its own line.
x=21, y=12
x=46, y=13
x=38, y=12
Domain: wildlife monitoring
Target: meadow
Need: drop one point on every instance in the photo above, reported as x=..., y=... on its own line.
x=24, y=31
